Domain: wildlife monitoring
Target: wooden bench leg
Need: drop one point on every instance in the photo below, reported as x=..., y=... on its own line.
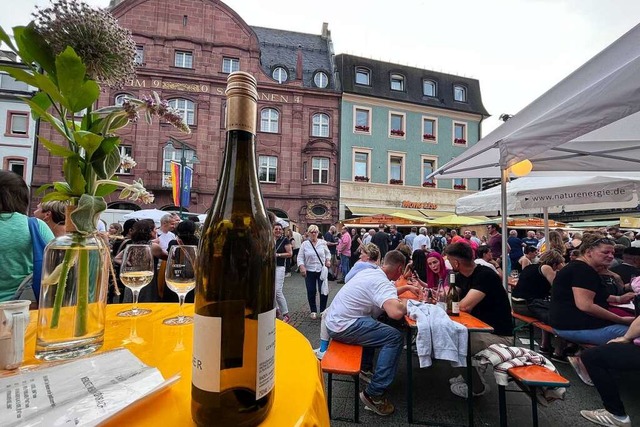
x=356, y=398
x=502, y=403
x=329, y=392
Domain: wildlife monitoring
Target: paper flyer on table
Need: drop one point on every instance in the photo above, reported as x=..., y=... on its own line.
x=84, y=392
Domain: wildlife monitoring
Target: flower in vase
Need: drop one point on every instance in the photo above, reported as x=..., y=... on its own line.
x=106, y=49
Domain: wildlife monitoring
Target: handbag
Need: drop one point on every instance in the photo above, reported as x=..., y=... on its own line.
x=324, y=273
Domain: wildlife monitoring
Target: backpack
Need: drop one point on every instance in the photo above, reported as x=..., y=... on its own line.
x=438, y=244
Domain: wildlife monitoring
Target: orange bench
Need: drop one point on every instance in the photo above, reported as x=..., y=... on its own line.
x=343, y=359
x=530, y=323
x=530, y=377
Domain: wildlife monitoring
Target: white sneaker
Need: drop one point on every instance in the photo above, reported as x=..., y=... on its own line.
x=313, y=315
x=288, y=274
x=581, y=371
x=605, y=418
x=319, y=354
x=461, y=390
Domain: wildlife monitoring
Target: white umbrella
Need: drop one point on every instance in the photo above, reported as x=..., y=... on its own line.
x=154, y=214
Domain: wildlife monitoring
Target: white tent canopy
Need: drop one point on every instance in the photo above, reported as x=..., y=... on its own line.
x=578, y=125
x=531, y=194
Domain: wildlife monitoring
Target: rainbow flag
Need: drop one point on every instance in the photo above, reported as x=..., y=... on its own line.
x=175, y=182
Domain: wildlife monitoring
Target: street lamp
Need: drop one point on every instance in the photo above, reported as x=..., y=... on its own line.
x=183, y=163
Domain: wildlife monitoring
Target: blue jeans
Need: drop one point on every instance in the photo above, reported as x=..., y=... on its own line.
x=314, y=286
x=345, y=266
x=594, y=336
x=372, y=334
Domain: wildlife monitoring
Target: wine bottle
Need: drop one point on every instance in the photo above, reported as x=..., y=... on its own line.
x=234, y=323
x=453, y=297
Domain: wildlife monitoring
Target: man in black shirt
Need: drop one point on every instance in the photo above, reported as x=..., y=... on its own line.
x=396, y=238
x=330, y=238
x=629, y=267
x=381, y=240
x=482, y=296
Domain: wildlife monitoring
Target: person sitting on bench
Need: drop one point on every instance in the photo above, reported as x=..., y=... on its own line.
x=351, y=318
x=620, y=354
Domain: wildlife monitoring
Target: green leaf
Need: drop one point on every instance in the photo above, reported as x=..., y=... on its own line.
x=62, y=187
x=105, y=189
x=79, y=93
x=24, y=53
x=86, y=215
x=6, y=39
x=119, y=122
x=88, y=140
x=44, y=115
x=38, y=80
x=98, y=159
x=73, y=175
x=32, y=42
x=42, y=101
x=112, y=163
x=43, y=188
x=54, y=195
x=55, y=149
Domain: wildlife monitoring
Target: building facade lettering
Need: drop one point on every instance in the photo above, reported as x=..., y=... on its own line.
x=419, y=205
x=203, y=88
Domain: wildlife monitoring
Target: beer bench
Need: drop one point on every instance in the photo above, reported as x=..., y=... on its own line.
x=343, y=359
x=529, y=378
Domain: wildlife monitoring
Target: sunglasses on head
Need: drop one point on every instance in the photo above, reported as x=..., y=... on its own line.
x=603, y=241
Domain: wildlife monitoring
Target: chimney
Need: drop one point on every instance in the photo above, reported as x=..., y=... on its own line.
x=299, y=63
x=325, y=30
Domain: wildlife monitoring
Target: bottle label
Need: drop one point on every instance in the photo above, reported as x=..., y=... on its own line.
x=205, y=370
x=265, y=374
x=455, y=307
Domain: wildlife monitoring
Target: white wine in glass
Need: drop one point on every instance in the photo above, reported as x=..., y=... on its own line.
x=180, y=277
x=136, y=272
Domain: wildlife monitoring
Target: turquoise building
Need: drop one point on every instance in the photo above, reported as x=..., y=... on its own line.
x=398, y=124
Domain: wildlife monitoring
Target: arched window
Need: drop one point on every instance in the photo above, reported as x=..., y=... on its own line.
x=320, y=125
x=363, y=76
x=186, y=108
x=280, y=74
x=459, y=93
x=321, y=79
x=397, y=82
x=269, y=118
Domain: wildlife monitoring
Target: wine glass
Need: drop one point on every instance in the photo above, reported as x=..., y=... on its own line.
x=136, y=272
x=180, y=277
x=514, y=277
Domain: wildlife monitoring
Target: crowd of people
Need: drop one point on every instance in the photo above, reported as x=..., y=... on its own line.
x=580, y=284
x=574, y=282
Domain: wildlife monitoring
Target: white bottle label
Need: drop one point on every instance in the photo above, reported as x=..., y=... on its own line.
x=205, y=370
x=455, y=307
x=265, y=374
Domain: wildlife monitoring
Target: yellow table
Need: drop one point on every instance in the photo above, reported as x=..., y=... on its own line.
x=299, y=391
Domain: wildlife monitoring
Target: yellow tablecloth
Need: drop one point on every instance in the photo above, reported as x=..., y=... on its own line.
x=299, y=391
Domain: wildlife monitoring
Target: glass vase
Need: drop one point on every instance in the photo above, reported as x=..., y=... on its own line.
x=73, y=296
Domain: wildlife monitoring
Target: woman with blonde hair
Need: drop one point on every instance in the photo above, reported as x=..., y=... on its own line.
x=555, y=242
x=313, y=255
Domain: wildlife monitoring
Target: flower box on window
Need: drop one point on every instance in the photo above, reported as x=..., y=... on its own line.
x=360, y=128
x=396, y=181
x=460, y=141
x=361, y=178
x=429, y=136
x=429, y=184
x=460, y=187
x=397, y=132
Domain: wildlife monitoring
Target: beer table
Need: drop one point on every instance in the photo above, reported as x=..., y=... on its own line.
x=299, y=390
x=472, y=324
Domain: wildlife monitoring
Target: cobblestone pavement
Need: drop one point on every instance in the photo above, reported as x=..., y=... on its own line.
x=432, y=397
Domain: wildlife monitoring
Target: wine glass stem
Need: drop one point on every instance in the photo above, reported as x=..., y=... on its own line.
x=135, y=302
x=181, y=298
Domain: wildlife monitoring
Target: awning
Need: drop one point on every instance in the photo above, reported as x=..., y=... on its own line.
x=375, y=220
x=375, y=210
x=595, y=224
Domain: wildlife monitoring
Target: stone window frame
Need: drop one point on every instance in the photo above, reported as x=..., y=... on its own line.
x=268, y=168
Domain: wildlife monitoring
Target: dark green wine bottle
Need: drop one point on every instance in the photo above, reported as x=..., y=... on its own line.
x=234, y=323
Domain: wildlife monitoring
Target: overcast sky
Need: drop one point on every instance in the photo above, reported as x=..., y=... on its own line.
x=518, y=49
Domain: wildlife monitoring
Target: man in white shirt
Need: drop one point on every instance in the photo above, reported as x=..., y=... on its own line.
x=165, y=234
x=351, y=318
x=422, y=241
